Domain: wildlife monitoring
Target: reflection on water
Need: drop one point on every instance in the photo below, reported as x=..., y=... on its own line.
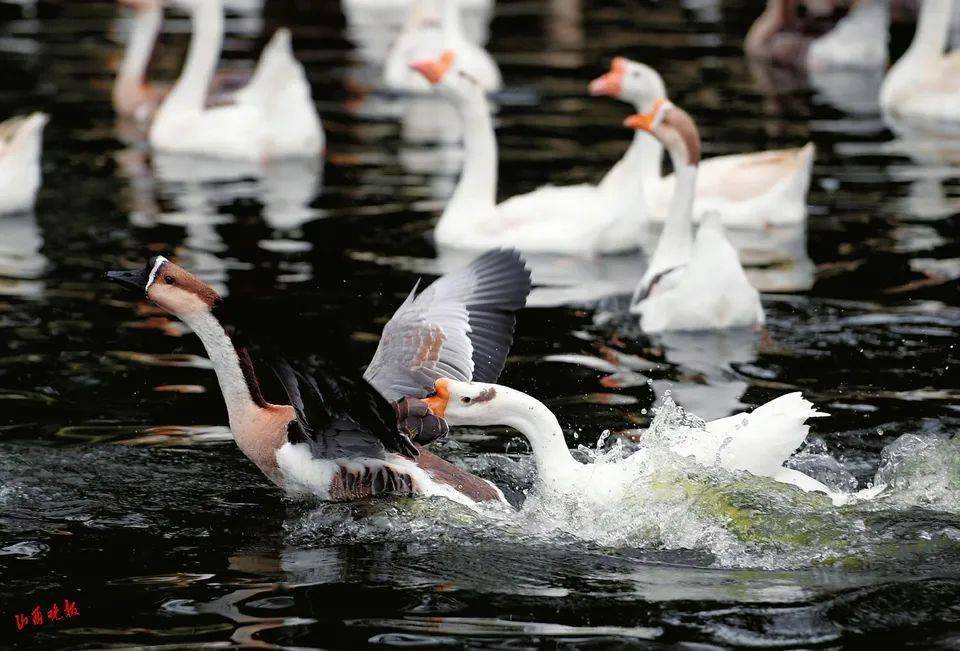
x=118, y=478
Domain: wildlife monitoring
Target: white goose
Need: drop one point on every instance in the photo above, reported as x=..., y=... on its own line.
x=432, y=27
x=134, y=95
x=272, y=117
x=748, y=190
x=691, y=283
x=924, y=85
x=759, y=442
x=578, y=221
x=21, y=145
x=860, y=40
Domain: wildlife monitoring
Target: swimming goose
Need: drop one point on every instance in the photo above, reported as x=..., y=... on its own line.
x=272, y=117
x=748, y=190
x=692, y=282
x=923, y=86
x=432, y=27
x=136, y=97
x=21, y=147
x=758, y=442
x=334, y=435
x=580, y=222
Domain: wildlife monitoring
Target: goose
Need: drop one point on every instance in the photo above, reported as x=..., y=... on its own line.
x=272, y=117
x=137, y=98
x=759, y=442
x=858, y=40
x=753, y=190
x=580, y=221
x=335, y=435
x=923, y=86
x=21, y=145
x=432, y=27
x=692, y=282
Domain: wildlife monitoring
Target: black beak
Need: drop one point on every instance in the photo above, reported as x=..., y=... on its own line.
x=132, y=279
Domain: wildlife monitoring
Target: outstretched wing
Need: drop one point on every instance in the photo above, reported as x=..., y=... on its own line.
x=460, y=327
x=338, y=414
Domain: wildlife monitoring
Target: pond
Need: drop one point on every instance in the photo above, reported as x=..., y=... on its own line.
x=125, y=502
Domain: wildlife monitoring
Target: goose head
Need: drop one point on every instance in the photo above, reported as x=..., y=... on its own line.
x=467, y=403
x=630, y=81
x=673, y=127
x=169, y=286
x=446, y=76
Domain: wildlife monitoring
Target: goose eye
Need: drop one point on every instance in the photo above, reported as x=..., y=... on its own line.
x=170, y=280
x=466, y=400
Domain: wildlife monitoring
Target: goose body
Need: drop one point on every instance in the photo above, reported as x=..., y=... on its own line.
x=759, y=442
x=272, y=117
x=923, y=86
x=751, y=190
x=21, y=149
x=859, y=40
x=432, y=27
x=575, y=220
x=693, y=281
x=334, y=434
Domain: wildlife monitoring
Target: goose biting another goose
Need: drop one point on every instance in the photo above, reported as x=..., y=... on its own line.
x=335, y=435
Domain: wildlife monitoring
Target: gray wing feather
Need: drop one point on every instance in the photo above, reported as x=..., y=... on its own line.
x=460, y=327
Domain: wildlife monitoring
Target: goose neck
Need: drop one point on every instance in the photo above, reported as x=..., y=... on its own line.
x=143, y=37
x=933, y=29
x=235, y=374
x=477, y=188
x=675, y=246
x=540, y=427
x=190, y=91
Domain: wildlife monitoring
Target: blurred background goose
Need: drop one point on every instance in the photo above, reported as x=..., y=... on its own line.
x=751, y=190
x=578, y=222
x=21, y=148
x=272, y=117
x=432, y=27
x=692, y=282
x=924, y=84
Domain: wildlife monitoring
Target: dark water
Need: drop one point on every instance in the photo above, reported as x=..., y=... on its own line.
x=123, y=493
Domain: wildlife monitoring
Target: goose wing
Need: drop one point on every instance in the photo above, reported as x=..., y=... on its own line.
x=339, y=414
x=460, y=327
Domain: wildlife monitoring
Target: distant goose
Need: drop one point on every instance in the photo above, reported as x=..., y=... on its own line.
x=751, y=190
x=137, y=97
x=575, y=220
x=432, y=27
x=21, y=149
x=693, y=282
x=923, y=86
x=859, y=40
x=336, y=436
x=271, y=117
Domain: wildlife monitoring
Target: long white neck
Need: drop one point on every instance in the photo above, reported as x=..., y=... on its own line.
x=476, y=190
x=539, y=426
x=450, y=21
x=226, y=363
x=143, y=37
x=933, y=30
x=191, y=89
x=640, y=169
x=675, y=246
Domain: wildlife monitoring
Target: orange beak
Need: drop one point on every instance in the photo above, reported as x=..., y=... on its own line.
x=645, y=121
x=610, y=84
x=434, y=71
x=438, y=402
